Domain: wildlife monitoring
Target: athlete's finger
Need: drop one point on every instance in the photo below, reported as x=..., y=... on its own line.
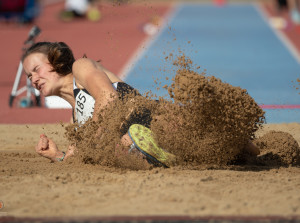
x=45, y=143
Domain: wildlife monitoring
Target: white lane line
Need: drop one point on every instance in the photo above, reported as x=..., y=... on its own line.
x=289, y=45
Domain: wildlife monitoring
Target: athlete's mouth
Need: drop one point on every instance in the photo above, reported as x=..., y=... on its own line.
x=40, y=86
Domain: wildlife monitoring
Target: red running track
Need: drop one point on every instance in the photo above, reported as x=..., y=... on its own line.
x=113, y=39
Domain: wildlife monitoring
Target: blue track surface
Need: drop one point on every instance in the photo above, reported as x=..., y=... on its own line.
x=233, y=43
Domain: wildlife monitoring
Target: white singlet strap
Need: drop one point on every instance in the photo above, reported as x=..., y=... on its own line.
x=115, y=85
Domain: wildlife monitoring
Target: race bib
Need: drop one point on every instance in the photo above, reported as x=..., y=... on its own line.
x=84, y=107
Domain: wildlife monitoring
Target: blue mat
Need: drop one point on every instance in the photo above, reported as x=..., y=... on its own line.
x=233, y=43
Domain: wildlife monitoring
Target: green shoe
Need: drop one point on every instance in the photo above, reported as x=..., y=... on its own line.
x=143, y=140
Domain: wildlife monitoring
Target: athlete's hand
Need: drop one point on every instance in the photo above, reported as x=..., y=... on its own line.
x=47, y=148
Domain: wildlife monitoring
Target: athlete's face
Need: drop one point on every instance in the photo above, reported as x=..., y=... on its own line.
x=38, y=70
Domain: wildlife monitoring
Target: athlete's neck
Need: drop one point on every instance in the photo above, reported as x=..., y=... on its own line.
x=66, y=90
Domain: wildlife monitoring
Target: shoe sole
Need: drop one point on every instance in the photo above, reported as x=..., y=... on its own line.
x=143, y=140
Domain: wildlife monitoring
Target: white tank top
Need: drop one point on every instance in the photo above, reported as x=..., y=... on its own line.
x=84, y=103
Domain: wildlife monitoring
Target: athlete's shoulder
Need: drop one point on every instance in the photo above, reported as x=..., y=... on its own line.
x=86, y=70
x=84, y=63
x=83, y=67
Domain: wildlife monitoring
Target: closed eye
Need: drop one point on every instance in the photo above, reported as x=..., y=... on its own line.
x=29, y=76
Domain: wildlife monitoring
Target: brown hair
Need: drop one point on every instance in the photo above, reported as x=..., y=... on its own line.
x=59, y=55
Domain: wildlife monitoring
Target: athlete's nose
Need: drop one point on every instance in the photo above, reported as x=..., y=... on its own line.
x=34, y=80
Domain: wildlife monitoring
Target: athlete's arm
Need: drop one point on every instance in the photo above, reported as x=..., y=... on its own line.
x=95, y=81
x=48, y=149
x=113, y=78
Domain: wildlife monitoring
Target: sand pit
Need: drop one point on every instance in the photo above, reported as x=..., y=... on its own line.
x=214, y=175
x=32, y=186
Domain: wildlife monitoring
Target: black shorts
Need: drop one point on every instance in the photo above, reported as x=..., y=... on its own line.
x=143, y=116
